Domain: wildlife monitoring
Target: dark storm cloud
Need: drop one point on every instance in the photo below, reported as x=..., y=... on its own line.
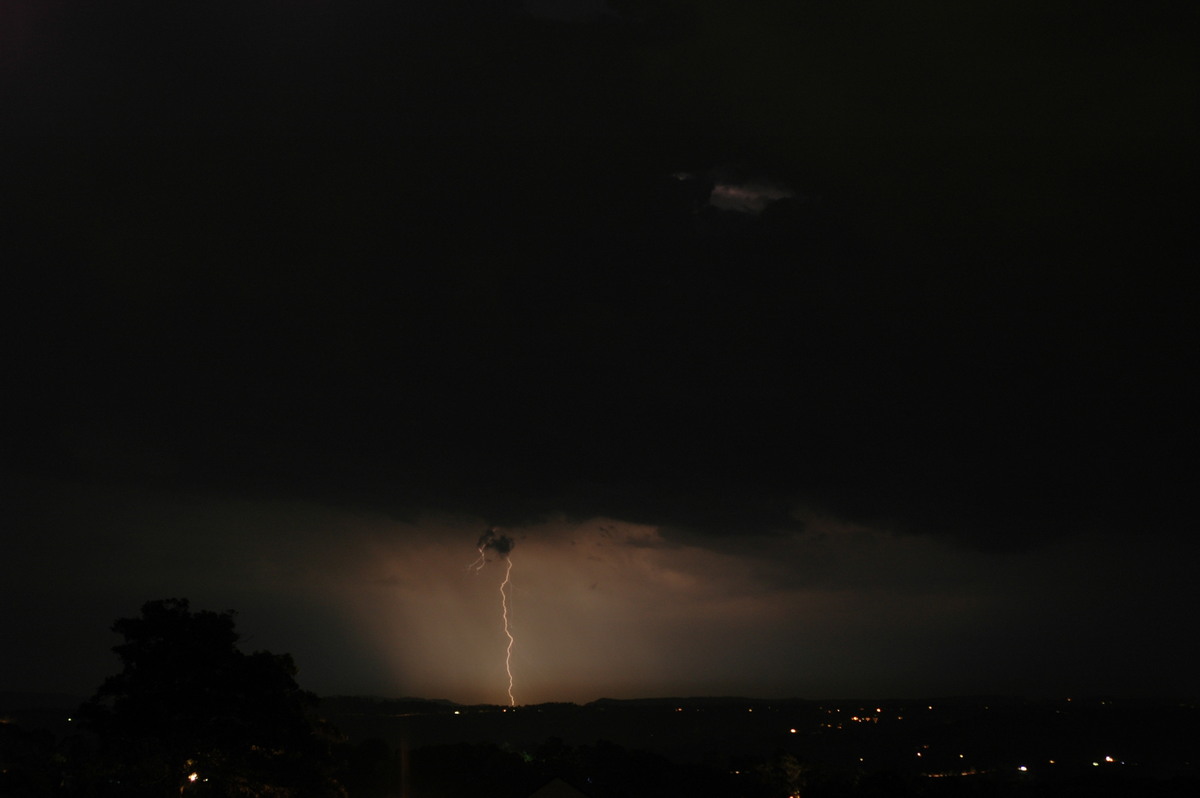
x=401, y=262
x=386, y=337
x=500, y=543
x=567, y=10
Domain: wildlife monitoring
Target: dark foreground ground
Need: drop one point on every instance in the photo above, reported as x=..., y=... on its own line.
x=731, y=746
x=727, y=747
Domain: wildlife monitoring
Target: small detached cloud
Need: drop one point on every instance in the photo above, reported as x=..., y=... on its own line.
x=730, y=191
x=752, y=197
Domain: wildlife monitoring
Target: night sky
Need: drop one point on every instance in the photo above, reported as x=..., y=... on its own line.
x=798, y=348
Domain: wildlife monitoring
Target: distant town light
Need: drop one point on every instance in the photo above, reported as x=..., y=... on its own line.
x=1108, y=759
x=1022, y=768
x=793, y=731
x=193, y=776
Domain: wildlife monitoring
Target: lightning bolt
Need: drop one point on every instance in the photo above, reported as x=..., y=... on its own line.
x=502, y=545
x=478, y=564
x=512, y=702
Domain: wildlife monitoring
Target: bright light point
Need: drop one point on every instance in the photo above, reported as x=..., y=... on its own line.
x=456, y=712
x=193, y=776
x=1095, y=764
x=1022, y=768
x=793, y=731
x=1108, y=759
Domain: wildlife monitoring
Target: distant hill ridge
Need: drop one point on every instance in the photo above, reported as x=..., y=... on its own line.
x=378, y=705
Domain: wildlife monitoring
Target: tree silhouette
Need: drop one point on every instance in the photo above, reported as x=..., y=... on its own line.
x=190, y=714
